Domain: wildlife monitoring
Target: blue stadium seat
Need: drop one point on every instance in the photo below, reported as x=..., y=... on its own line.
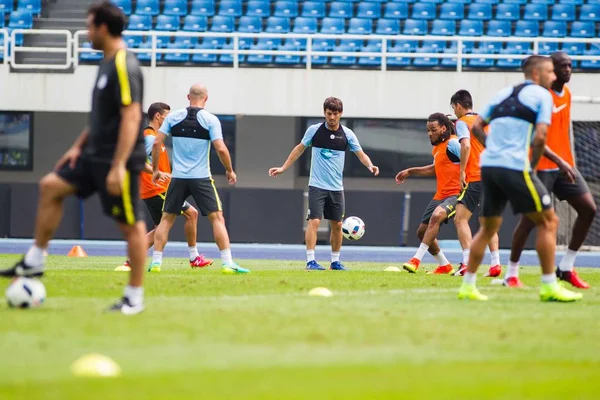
x=133, y=41
x=258, y=8
x=387, y=26
x=555, y=29
x=162, y=40
x=398, y=61
x=288, y=9
x=139, y=23
x=177, y=57
x=590, y=12
x=298, y=43
x=508, y=12
x=288, y=59
x=368, y=10
x=305, y=25
x=216, y=42
x=520, y=2
x=175, y=7
x=451, y=62
x=124, y=5
x=316, y=60
x=509, y=63
x=395, y=10
x=20, y=19
x=6, y=6
x=248, y=24
x=354, y=44
x=467, y=47
x=228, y=58
x=591, y=64
x=546, y=2
x=343, y=60
x=204, y=58
x=424, y=11
x=271, y=43
x=426, y=62
x=443, y=28
x=222, y=23
x=339, y=9
x=360, y=26
x=432, y=1
x=370, y=61
x=332, y=25
x=563, y=12
x=186, y=41
x=144, y=56
x=574, y=49
x=585, y=29
x=573, y=2
x=259, y=58
x=33, y=6
x=377, y=43
x=195, y=23
x=460, y=1
x=452, y=11
x=87, y=56
x=470, y=28
x=480, y=63
x=147, y=7
x=404, y=46
x=167, y=23
x=527, y=29
x=480, y=11
x=232, y=8
x=548, y=48
x=415, y=27
x=499, y=28
x=244, y=43
x=1, y=26
x=313, y=9
x=490, y=2
x=489, y=47
x=535, y=12
x=278, y=25
x=517, y=48
x=324, y=44
x=205, y=8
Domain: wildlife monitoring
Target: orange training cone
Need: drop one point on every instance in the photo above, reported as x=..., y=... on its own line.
x=77, y=251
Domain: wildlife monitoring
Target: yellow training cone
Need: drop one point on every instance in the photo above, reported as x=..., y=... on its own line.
x=392, y=269
x=320, y=291
x=95, y=365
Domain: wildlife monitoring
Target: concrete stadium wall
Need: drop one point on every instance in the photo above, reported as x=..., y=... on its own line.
x=281, y=92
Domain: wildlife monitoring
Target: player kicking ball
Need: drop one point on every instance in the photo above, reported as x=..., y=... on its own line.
x=445, y=167
x=329, y=141
x=557, y=172
x=515, y=114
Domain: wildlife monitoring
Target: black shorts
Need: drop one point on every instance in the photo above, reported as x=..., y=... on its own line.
x=203, y=191
x=470, y=196
x=449, y=204
x=326, y=204
x=556, y=182
x=524, y=190
x=89, y=177
x=156, y=204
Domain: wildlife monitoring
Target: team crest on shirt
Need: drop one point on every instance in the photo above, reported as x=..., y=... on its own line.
x=102, y=81
x=332, y=136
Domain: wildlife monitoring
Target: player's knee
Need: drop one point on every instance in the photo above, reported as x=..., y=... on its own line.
x=216, y=218
x=191, y=214
x=438, y=217
x=421, y=231
x=336, y=225
x=48, y=185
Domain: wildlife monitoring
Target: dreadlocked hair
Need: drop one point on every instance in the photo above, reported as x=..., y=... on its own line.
x=443, y=120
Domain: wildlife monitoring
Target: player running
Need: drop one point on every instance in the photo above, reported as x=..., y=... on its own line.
x=329, y=141
x=506, y=172
x=470, y=181
x=153, y=194
x=557, y=172
x=445, y=168
x=193, y=129
x=106, y=158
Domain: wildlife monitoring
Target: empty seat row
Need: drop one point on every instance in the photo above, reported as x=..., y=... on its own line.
x=33, y=6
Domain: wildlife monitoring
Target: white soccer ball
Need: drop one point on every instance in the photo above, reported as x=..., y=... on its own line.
x=26, y=293
x=353, y=228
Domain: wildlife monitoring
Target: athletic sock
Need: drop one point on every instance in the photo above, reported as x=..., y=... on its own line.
x=466, y=254
x=135, y=295
x=193, y=252
x=310, y=255
x=157, y=257
x=568, y=260
x=512, y=271
x=421, y=251
x=226, y=257
x=549, y=279
x=34, y=256
x=335, y=256
x=495, y=258
x=469, y=278
x=441, y=258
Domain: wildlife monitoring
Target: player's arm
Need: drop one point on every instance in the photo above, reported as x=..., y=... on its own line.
x=478, y=130
x=427, y=170
x=464, y=137
x=74, y=151
x=292, y=158
x=225, y=158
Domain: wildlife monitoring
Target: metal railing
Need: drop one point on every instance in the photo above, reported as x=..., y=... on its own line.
x=74, y=48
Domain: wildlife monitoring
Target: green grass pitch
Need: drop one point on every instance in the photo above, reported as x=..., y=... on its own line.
x=383, y=335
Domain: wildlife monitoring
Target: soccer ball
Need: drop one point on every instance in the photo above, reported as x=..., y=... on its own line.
x=353, y=228
x=26, y=293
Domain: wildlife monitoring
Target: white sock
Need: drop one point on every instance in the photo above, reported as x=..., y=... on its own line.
x=568, y=260
x=495, y=258
x=335, y=256
x=441, y=258
x=35, y=256
x=421, y=251
x=466, y=254
x=157, y=257
x=310, y=255
x=550, y=278
x=134, y=294
x=469, y=278
x=226, y=256
x=512, y=271
x=193, y=252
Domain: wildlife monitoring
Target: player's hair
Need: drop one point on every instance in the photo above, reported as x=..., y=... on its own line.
x=333, y=104
x=107, y=13
x=157, y=108
x=443, y=120
x=463, y=98
x=533, y=62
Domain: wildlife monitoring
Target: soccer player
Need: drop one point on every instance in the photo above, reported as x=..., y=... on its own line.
x=193, y=129
x=557, y=172
x=153, y=194
x=106, y=158
x=445, y=167
x=506, y=173
x=470, y=181
x=329, y=141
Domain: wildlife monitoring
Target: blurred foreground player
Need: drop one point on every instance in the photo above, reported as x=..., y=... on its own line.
x=106, y=158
